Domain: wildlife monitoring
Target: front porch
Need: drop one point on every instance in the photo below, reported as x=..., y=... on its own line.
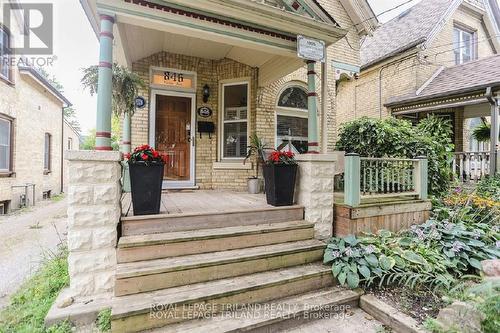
x=465, y=100
x=202, y=201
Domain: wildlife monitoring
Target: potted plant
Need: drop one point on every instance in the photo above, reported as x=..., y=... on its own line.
x=146, y=167
x=280, y=171
x=257, y=147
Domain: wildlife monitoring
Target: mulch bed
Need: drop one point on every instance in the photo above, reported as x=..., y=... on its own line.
x=419, y=304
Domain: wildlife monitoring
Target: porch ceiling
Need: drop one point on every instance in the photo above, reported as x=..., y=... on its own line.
x=142, y=42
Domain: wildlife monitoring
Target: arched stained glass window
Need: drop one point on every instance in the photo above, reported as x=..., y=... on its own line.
x=293, y=97
x=291, y=120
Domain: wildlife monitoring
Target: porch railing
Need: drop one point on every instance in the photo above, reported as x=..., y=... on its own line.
x=370, y=179
x=471, y=166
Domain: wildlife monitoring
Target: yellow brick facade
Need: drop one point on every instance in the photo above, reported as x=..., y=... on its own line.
x=406, y=72
x=209, y=173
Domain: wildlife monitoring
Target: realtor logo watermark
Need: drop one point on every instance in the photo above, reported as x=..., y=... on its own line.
x=36, y=24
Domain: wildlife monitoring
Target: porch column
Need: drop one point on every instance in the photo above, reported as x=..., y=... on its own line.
x=104, y=85
x=312, y=121
x=126, y=141
x=494, y=154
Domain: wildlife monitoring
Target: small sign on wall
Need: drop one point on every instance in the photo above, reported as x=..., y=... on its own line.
x=205, y=112
x=310, y=49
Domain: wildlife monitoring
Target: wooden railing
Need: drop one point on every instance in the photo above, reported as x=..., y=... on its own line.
x=471, y=166
x=372, y=178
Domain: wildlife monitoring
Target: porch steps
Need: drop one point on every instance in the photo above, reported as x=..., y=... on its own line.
x=163, y=223
x=172, y=244
x=134, y=313
x=278, y=316
x=149, y=275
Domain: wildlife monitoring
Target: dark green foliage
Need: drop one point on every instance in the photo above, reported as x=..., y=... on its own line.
x=398, y=138
x=432, y=255
x=104, y=320
x=489, y=188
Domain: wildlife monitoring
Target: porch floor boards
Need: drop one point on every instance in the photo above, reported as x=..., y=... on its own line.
x=201, y=201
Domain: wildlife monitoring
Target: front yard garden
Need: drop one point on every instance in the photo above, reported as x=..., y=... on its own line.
x=435, y=264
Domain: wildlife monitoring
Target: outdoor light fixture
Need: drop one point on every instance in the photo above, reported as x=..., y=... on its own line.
x=206, y=93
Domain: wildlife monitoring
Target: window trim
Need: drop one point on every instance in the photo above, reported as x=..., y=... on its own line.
x=9, y=171
x=474, y=44
x=49, y=161
x=223, y=84
x=9, y=77
x=70, y=143
x=287, y=111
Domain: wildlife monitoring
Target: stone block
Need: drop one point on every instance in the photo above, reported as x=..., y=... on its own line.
x=108, y=194
x=79, y=239
x=88, y=216
x=104, y=281
x=104, y=237
x=80, y=195
x=86, y=262
x=491, y=268
x=82, y=284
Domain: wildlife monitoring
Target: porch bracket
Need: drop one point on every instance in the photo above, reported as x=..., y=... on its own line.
x=312, y=120
x=104, y=82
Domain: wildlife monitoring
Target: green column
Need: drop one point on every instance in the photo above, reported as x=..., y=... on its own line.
x=312, y=120
x=104, y=83
x=126, y=142
x=352, y=181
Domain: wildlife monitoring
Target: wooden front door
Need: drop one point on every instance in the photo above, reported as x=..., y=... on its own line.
x=173, y=136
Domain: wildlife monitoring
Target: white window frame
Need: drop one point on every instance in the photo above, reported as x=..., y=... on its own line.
x=287, y=111
x=9, y=145
x=473, y=52
x=223, y=84
x=4, y=30
x=70, y=143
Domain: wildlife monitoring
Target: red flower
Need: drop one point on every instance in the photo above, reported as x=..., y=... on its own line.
x=144, y=157
x=155, y=154
x=127, y=156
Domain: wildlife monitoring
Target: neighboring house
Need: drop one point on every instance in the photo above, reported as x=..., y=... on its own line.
x=71, y=141
x=439, y=56
x=241, y=62
x=31, y=127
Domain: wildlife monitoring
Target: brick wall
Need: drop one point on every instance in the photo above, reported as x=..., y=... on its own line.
x=34, y=112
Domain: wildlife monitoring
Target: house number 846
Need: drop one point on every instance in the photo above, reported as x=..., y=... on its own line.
x=176, y=77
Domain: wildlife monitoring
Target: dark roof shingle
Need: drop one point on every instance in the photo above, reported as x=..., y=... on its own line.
x=472, y=75
x=409, y=29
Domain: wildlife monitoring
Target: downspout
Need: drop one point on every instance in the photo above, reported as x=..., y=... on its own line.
x=493, y=131
x=62, y=151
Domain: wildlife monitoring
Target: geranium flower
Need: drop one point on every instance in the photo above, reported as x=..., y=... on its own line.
x=144, y=157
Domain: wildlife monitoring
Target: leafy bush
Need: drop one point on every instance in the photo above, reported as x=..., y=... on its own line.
x=103, y=320
x=489, y=188
x=398, y=138
x=450, y=244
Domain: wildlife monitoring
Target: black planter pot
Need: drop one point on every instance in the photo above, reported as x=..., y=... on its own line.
x=280, y=184
x=146, y=182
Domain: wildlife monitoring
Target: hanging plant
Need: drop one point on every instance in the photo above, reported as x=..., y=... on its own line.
x=482, y=132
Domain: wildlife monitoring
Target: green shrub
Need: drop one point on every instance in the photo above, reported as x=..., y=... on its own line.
x=489, y=188
x=398, y=138
x=30, y=304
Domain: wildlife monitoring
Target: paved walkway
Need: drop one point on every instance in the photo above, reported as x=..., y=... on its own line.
x=25, y=236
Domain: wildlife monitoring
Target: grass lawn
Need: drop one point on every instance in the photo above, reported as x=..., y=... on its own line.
x=30, y=304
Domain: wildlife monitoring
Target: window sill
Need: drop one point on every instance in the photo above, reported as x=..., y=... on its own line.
x=230, y=165
x=7, y=174
x=6, y=80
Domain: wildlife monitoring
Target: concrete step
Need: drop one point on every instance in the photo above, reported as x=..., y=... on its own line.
x=280, y=315
x=162, y=223
x=172, y=244
x=134, y=313
x=158, y=274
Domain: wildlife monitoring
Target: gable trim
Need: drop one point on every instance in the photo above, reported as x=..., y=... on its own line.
x=442, y=23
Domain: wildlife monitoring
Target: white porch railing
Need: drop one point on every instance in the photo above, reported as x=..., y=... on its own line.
x=369, y=179
x=471, y=166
